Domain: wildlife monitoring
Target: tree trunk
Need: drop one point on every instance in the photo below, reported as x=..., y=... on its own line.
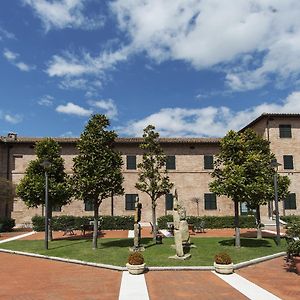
x=237, y=224
x=95, y=231
x=198, y=208
x=154, y=220
x=258, y=222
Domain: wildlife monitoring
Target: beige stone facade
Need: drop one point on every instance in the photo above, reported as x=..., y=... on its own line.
x=190, y=176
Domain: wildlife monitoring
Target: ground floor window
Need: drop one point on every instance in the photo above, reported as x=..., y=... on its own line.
x=169, y=202
x=210, y=201
x=290, y=201
x=88, y=205
x=56, y=208
x=130, y=201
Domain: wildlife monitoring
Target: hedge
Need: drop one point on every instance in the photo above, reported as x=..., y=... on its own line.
x=6, y=224
x=62, y=222
x=211, y=221
x=290, y=219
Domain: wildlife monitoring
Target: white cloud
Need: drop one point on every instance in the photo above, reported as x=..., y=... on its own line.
x=12, y=58
x=208, y=121
x=251, y=41
x=107, y=106
x=69, y=65
x=14, y=119
x=207, y=33
x=64, y=14
x=5, y=34
x=73, y=109
x=46, y=100
x=68, y=134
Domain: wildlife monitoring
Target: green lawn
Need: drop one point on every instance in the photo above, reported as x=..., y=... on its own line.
x=115, y=251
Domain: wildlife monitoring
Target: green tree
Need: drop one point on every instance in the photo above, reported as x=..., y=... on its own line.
x=32, y=186
x=97, y=168
x=243, y=173
x=153, y=178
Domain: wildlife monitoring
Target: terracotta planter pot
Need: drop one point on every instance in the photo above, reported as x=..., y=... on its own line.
x=135, y=269
x=223, y=269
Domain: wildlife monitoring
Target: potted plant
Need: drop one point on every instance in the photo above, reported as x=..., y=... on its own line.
x=223, y=263
x=135, y=263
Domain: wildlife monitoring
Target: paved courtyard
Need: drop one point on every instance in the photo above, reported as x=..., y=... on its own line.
x=25, y=278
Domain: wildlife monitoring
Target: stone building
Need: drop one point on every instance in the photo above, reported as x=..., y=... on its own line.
x=190, y=163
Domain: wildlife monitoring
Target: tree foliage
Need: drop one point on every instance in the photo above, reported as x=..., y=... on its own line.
x=243, y=173
x=32, y=186
x=97, y=168
x=153, y=179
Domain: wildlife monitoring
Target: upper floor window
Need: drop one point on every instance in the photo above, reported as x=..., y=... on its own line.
x=285, y=131
x=169, y=202
x=288, y=162
x=171, y=163
x=130, y=201
x=88, y=205
x=290, y=201
x=208, y=162
x=131, y=162
x=210, y=201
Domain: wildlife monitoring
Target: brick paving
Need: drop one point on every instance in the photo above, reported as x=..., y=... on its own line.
x=175, y=285
x=274, y=276
x=27, y=278
x=32, y=278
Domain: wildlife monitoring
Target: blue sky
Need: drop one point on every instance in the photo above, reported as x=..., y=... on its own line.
x=191, y=68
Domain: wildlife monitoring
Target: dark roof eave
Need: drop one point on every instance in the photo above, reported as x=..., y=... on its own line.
x=32, y=140
x=270, y=115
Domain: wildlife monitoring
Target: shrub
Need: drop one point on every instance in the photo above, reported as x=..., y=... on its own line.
x=293, y=248
x=223, y=258
x=136, y=258
x=211, y=221
x=62, y=222
x=7, y=224
x=294, y=229
x=290, y=219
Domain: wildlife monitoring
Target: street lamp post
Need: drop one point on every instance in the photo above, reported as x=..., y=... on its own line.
x=46, y=164
x=275, y=164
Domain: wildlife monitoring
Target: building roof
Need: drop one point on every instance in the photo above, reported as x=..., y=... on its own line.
x=132, y=140
x=270, y=115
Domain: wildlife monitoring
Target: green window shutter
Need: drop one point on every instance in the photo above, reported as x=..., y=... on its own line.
x=131, y=162
x=285, y=131
x=171, y=162
x=169, y=202
x=288, y=162
x=210, y=201
x=290, y=201
x=130, y=201
x=88, y=205
x=208, y=162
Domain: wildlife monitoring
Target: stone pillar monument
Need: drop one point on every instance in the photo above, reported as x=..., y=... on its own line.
x=137, y=227
x=181, y=231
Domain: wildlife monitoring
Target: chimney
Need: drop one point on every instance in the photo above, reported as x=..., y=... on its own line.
x=12, y=136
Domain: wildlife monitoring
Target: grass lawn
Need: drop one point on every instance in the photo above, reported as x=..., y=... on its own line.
x=115, y=251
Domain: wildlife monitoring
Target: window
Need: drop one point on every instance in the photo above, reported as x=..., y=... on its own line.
x=210, y=201
x=169, y=202
x=88, y=205
x=171, y=165
x=131, y=162
x=290, y=201
x=130, y=201
x=285, y=131
x=288, y=163
x=245, y=210
x=56, y=208
x=208, y=162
